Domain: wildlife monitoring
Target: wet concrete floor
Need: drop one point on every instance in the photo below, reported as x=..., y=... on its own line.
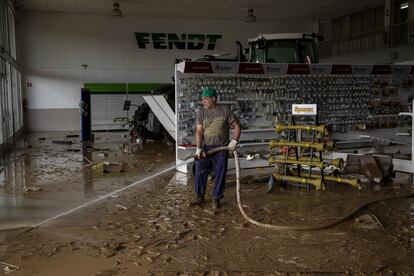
x=150, y=230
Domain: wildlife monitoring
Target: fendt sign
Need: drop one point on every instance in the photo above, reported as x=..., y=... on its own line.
x=177, y=41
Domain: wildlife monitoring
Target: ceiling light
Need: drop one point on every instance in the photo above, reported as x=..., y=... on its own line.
x=116, y=11
x=250, y=16
x=404, y=6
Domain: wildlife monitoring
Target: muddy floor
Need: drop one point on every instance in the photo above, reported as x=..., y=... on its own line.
x=149, y=229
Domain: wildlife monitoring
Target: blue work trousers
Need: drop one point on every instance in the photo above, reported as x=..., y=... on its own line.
x=202, y=170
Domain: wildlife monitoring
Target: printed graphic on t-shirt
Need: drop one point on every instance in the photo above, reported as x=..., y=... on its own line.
x=214, y=127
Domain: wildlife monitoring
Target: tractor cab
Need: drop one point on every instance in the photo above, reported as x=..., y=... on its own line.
x=284, y=48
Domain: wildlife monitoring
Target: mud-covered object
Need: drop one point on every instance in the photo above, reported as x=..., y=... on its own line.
x=150, y=135
x=377, y=168
x=142, y=112
x=368, y=222
x=140, y=120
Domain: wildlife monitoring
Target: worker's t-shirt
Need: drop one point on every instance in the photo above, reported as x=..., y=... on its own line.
x=216, y=124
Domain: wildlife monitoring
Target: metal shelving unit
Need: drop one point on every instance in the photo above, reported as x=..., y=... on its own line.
x=262, y=96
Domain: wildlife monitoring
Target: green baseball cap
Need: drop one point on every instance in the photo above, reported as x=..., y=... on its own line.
x=209, y=92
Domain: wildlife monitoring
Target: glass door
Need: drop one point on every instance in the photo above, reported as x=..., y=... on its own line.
x=16, y=101
x=2, y=100
x=9, y=102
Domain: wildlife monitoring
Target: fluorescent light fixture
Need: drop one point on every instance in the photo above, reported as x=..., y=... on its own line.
x=404, y=6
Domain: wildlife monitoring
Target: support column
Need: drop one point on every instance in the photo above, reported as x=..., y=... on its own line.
x=85, y=105
x=387, y=12
x=410, y=10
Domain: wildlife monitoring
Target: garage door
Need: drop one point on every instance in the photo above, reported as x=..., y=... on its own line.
x=105, y=109
x=107, y=101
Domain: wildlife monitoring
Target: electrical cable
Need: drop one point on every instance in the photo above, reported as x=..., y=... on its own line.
x=304, y=227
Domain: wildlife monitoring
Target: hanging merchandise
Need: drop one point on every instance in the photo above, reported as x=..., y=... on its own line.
x=360, y=98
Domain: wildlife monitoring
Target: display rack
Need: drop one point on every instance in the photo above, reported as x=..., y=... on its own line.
x=299, y=158
x=349, y=97
x=301, y=140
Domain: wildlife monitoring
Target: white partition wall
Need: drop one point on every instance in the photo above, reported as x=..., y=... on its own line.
x=92, y=48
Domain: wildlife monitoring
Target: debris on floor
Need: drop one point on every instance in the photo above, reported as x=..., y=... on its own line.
x=377, y=168
x=8, y=268
x=149, y=229
x=369, y=222
x=32, y=189
x=121, y=207
x=102, y=155
x=63, y=142
x=73, y=150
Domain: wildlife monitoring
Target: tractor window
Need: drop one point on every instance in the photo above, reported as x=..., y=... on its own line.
x=291, y=51
x=282, y=51
x=257, y=54
x=307, y=52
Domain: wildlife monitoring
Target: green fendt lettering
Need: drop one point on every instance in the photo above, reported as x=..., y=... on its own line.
x=177, y=41
x=142, y=39
x=174, y=40
x=196, y=41
x=158, y=40
x=212, y=40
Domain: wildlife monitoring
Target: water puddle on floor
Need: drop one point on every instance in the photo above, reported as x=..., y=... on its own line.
x=42, y=178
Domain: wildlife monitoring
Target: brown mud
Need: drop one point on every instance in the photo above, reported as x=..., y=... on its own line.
x=150, y=230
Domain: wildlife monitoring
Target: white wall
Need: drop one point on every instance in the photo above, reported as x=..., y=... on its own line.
x=54, y=45
x=405, y=55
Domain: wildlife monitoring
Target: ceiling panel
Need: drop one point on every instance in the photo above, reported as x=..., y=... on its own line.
x=100, y=7
x=55, y=5
x=265, y=10
x=67, y=5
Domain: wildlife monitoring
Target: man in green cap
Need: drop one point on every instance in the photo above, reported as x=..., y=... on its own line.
x=213, y=124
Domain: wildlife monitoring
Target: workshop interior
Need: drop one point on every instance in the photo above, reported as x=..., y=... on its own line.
x=99, y=141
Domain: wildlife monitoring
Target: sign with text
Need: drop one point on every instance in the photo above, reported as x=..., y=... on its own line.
x=340, y=69
x=320, y=69
x=275, y=69
x=304, y=109
x=198, y=67
x=361, y=69
x=225, y=67
x=298, y=69
x=250, y=68
x=382, y=69
x=400, y=69
x=177, y=41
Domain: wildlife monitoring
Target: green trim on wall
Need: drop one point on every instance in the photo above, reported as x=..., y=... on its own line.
x=121, y=88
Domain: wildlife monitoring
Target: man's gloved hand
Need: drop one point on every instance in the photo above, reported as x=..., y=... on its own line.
x=198, y=154
x=232, y=145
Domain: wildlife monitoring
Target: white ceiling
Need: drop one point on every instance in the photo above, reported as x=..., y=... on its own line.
x=265, y=10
